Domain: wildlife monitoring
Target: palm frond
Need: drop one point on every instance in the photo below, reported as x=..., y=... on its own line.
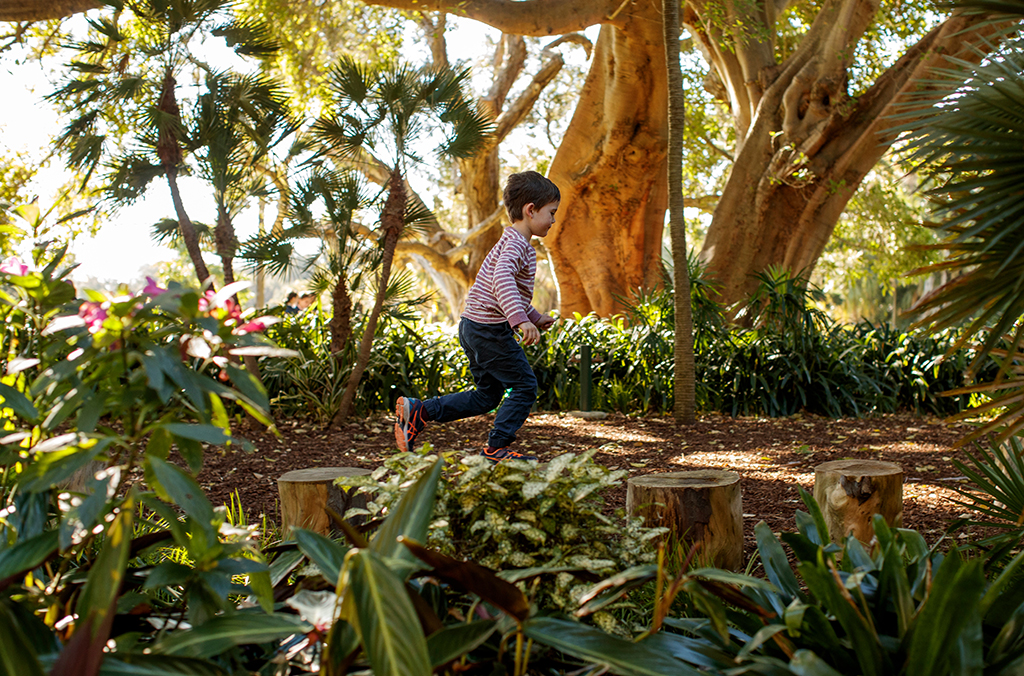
x=249, y=37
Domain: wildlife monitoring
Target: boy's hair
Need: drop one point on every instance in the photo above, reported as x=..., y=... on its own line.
x=528, y=187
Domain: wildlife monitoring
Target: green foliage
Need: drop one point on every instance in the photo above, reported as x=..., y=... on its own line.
x=97, y=397
x=969, y=148
x=546, y=519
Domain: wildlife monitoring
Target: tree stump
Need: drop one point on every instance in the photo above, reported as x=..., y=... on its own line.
x=851, y=492
x=703, y=506
x=307, y=493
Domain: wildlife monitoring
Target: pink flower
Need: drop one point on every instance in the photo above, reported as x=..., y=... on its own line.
x=13, y=266
x=204, y=300
x=94, y=315
x=151, y=288
x=256, y=325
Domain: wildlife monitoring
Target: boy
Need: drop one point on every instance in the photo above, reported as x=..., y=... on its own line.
x=498, y=305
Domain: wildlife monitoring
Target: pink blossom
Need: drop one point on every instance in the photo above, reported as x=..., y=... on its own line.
x=256, y=325
x=13, y=266
x=151, y=288
x=204, y=300
x=94, y=315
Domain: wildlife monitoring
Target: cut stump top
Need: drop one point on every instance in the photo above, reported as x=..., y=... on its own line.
x=856, y=467
x=701, y=478
x=319, y=474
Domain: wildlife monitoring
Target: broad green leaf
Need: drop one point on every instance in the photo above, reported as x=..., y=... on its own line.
x=596, y=647
x=893, y=584
x=181, y=489
x=342, y=640
x=816, y=515
x=28, y=554
x=51, y=468
x=328, y=555
x=615, y=587
x=377, y=605
x=806, y=663
x=210, y=434
x=221, y=633
x=697, y=651
x=942, y=617
x=103, y=583
x=283, y=564
x=824, y=587
x=134, y=664
x=763, y=634
x=17, y=657
x=776, y=565
x=410, y=518
x=19, y=403
x=453, y=642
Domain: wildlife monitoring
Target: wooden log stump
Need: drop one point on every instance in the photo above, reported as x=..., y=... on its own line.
x=851, y=492
x=703, y=506
x=307, y=493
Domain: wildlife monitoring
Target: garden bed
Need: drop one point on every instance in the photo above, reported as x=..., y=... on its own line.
x=773, y=456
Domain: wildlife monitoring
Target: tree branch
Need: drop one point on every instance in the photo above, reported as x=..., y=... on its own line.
x=509, y=70
x=524, y=17
x=434, y=31
x=37, y=10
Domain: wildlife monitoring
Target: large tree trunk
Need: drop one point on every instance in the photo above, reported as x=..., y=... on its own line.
x=611, y=169
x=805, y=144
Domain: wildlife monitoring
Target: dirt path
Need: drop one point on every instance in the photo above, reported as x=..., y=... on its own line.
x=771, y=455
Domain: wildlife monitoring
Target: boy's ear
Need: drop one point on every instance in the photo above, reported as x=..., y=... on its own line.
x=529, y=208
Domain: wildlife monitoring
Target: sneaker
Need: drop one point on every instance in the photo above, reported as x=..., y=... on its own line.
x=496, y=455
x=411, y=420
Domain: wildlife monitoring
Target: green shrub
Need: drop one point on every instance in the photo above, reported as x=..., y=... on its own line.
x=522, y=515
x=102, y=392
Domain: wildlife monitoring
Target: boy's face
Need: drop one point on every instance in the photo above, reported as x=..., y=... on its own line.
x=540, y=219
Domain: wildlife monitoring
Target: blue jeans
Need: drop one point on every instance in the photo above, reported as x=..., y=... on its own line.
x=497, y=363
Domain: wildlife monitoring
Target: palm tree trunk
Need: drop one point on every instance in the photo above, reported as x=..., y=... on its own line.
x=224, y=235
x=341, y=317
x=391, y=223
x=188, y=231
x=168, y=149
x=685, y=387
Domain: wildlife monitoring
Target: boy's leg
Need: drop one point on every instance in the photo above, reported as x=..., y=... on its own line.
x=477, y=342
x=498, y=363
x=515, y=372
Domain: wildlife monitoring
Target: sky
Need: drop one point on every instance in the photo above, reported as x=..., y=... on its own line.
x=123, y=246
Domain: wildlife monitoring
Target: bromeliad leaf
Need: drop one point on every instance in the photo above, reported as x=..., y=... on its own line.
x=220, y=633
x=453, y=642
x=377, y=604
x=410, y=518
x=596, y=647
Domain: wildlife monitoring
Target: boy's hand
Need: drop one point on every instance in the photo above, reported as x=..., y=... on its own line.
x=545, y=322
x=531, y=336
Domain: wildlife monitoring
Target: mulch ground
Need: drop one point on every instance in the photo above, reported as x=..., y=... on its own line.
x=773, y=456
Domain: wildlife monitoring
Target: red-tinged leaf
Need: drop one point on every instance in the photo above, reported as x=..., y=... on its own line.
x=474, y=578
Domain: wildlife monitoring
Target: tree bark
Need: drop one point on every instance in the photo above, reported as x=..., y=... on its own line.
x=611, y=170
x=684, y=386
x=808, y=145
x=43, y=10
x=307, y=494
x=169, y=151
x=703, y=506
x=851, y=492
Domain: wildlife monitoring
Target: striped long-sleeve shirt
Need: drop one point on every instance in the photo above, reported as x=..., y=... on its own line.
x=503, y=288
